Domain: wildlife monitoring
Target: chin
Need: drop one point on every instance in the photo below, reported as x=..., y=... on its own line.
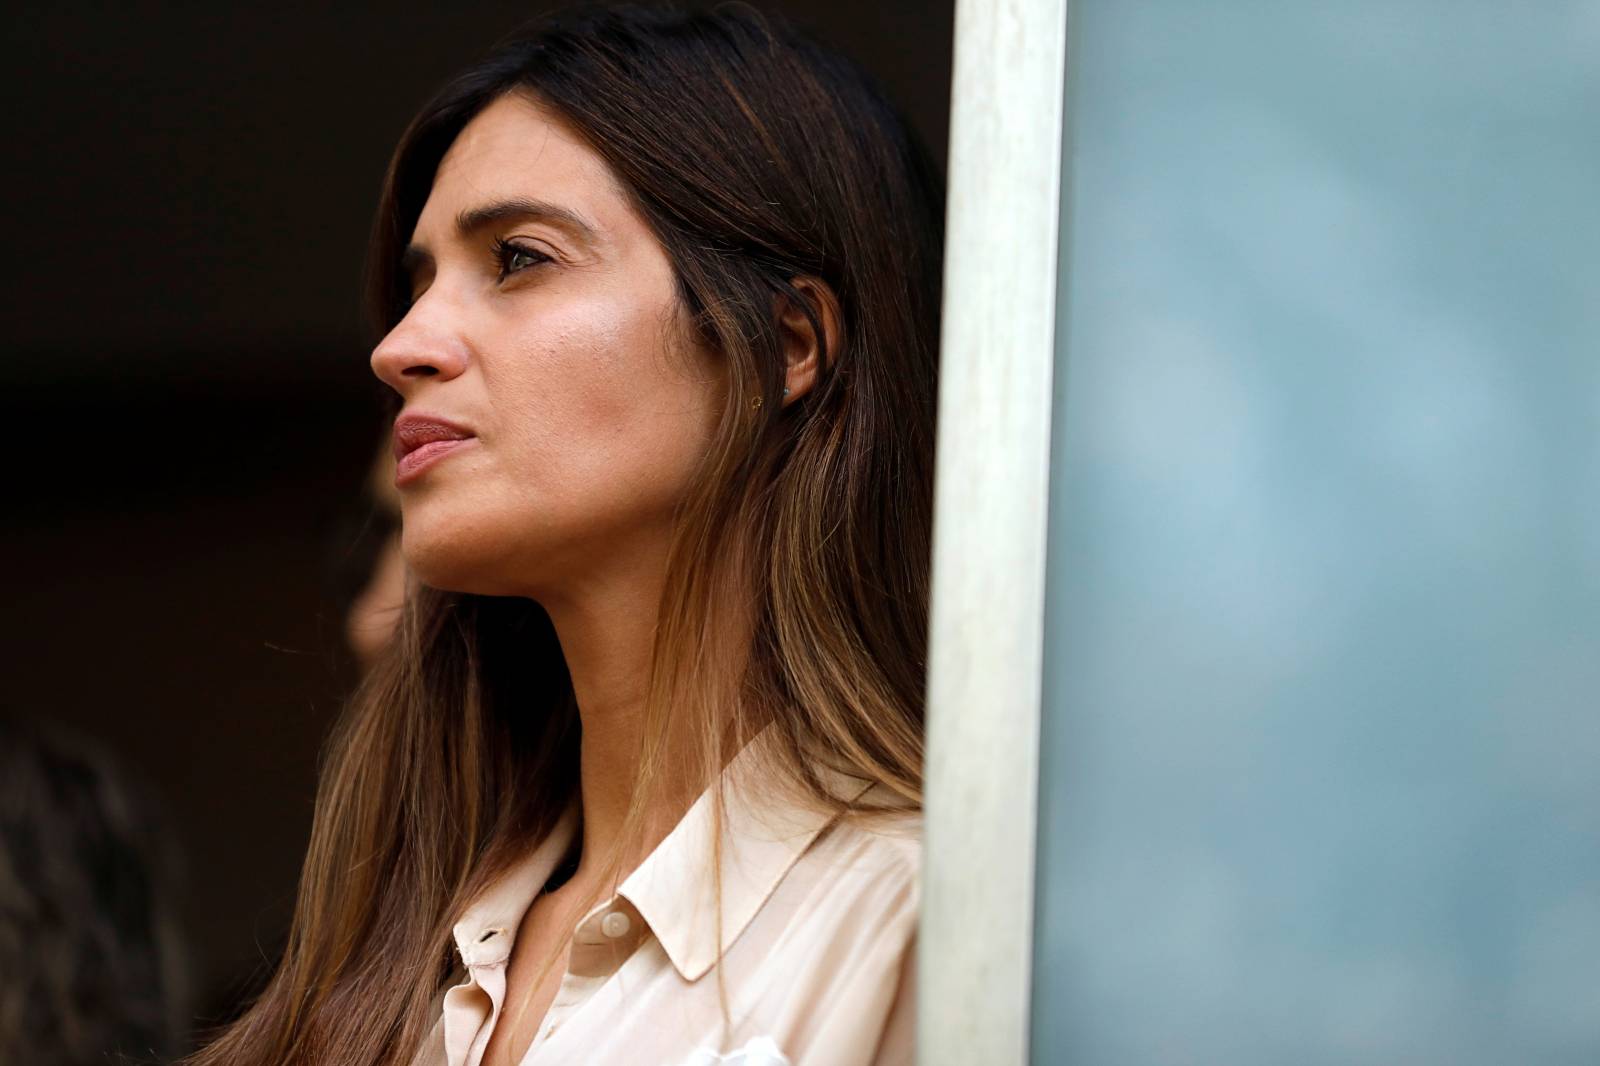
x=455, y=557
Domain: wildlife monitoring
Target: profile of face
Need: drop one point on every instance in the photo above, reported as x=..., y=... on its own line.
x=555, y=401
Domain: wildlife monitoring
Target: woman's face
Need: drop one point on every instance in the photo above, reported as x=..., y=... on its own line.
x=554, y=405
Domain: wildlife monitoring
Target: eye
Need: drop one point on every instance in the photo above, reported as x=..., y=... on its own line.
x=512, y=258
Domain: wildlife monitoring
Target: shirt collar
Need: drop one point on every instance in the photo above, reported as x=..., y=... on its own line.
x=484, y=934
x=763, y=836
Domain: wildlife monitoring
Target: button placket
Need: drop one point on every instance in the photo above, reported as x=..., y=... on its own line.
x=572, y=994
x=603, y=940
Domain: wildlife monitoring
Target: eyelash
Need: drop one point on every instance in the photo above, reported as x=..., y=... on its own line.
x=504, y=250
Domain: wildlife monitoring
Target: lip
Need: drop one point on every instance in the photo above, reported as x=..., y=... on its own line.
x=421, y=440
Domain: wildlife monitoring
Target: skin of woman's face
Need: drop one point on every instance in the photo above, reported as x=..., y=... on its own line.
x=547, y=335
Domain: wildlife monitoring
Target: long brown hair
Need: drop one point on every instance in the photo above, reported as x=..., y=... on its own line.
x=758, y=158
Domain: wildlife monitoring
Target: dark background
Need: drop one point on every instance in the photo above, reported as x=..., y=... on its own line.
x=190, y=190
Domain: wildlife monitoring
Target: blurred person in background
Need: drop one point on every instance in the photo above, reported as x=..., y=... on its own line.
x=92, y=965
x=376, y=602
x=639, y=778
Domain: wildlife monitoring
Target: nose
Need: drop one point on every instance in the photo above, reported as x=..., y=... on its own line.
x=420, y=348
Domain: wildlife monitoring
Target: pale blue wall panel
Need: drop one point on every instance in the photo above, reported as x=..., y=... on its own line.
x=1320, y=778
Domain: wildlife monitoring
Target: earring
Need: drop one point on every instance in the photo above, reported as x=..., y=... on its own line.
x=786, y=392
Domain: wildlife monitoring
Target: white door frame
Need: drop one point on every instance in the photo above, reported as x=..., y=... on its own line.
x=990, y=503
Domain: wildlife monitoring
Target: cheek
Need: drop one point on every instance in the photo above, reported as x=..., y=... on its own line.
x=596, y=431
x=597, y=406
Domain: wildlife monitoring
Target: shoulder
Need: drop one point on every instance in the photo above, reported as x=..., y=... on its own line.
x=895, y=836
x=880, y=851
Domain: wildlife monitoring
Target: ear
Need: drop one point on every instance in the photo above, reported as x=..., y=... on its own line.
x=803, y=344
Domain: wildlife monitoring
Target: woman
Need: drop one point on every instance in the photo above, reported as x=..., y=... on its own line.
x=637, y=781
x=373, y=567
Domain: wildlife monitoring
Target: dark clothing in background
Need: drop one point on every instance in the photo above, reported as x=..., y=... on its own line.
x=91, y=970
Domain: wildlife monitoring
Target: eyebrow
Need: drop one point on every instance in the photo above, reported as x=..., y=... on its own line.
x=474, y=220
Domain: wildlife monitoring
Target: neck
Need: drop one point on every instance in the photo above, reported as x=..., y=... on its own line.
x=607, y=632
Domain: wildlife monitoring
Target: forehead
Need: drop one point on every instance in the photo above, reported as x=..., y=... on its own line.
x=517, y=148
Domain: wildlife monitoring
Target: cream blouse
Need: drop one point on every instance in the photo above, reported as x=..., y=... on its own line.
x=818, y=934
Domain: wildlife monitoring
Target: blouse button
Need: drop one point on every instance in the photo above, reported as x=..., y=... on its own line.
x=615, y=924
